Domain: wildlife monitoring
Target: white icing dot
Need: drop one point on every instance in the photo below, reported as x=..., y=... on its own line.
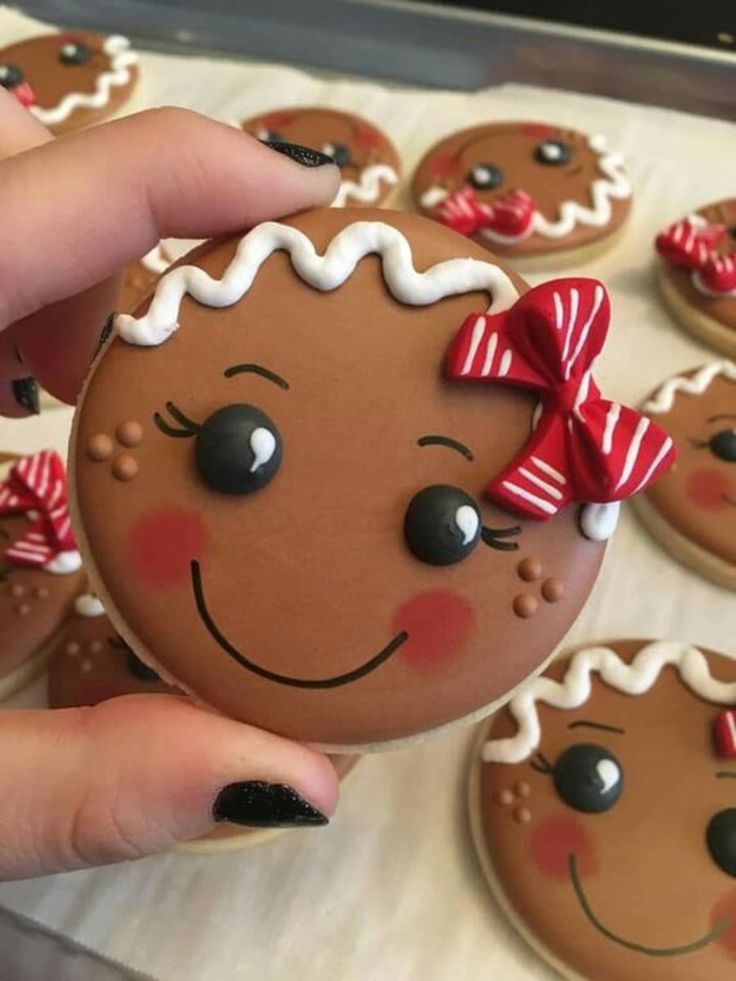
x=609, y=773
x=64, y=563
x=598, y=521
x=467, y=520
x=88, y=605
x=263, y=445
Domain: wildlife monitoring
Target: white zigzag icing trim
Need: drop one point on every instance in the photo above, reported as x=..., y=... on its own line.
x=326, y=272
x=664, y=398
x=635, y=678
x=368, y=186
x=117, y=48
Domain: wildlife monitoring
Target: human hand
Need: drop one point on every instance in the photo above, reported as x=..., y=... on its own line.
x=133, y=775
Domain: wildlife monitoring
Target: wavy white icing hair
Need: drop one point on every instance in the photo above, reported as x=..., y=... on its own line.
x=634, y=678
x=664, y=398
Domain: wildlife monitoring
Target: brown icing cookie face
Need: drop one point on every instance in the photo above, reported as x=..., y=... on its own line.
x=140, y=278
x=90, y=663
x=610, y=838
x=70, y=80
x=34, y=602
x=524, y=189
x=691, y=293
x=313, y=591
x=692, y=509
x=368, y=160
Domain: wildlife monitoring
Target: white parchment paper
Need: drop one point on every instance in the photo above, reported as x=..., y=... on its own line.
x=391, y=891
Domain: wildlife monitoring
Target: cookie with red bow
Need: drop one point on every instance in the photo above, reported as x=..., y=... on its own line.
x=526, y=190
x=368, y=161
x=40, y=566
x=697, y=273
x=692, y=510
x=362, y=485
x=602, y=808
x=72, y=79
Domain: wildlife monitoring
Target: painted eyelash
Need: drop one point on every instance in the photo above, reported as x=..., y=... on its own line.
x=494, y=537
x=541, y=764
x=189, y=427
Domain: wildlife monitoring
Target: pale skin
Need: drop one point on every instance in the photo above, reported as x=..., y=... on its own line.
x=136, y=774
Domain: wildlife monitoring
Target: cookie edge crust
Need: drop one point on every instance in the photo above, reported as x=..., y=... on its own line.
x=698, y=324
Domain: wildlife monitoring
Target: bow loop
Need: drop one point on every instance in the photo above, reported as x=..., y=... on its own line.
x=688, y=243
x=583, y=447
x=509, y=217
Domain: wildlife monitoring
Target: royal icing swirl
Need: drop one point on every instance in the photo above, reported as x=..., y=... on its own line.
x=367, y=188
x=117, y=49
x=325, y=272
x=88, y=605
x=664, y=398
x=635, y=678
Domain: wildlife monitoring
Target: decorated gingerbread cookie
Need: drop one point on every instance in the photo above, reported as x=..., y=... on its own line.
x=602, y=805
x=40, y=567
x=697, y=273
x=348, y=497
x=70, y=80
x=526, y=190
x=140, y=277
x=692, y=510
x=90, y=663
x=368, y=160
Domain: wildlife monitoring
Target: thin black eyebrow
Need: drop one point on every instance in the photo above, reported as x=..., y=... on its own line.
x=448, y=441
x=723, y=415
x=721, y=774
x=597, y=725
x=256, y=369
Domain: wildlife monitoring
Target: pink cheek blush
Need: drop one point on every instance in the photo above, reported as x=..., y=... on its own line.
x=162, y=544
x=554, y=840
x=725, y=909
x=438, y=623
x=709, y=488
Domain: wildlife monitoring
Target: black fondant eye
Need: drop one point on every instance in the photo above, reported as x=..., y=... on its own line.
x=339, y=153
x=588, y=778
x=11, y=76
x=238, y=449
x=442, y=525
x=74, y=53
x=723, y=445
x=553, y=153
x=485, y=177
x=139, y=670
x=721, y=840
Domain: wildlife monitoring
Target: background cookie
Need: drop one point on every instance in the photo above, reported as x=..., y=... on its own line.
x=526, y=190
x=70, y=80
x=692, y=510
x=262, y=523
x=697, y=273
x=604, y=813
x=368, y=160
x=139, y=278
x=35, y=598
x=90, y=663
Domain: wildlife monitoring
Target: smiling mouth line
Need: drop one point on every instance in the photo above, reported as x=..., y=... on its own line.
x=340, y=679
x=690, y=948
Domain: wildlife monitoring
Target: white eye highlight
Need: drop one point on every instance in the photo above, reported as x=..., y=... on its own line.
x=468, y=521
x=263, y=445
x=609, y=774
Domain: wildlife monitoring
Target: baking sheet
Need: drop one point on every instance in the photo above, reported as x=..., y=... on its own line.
x=391, y=889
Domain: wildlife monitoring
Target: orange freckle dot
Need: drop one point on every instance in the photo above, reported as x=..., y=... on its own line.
x=72, y=648
x=17, y=590
x=86, y=666
x=96, y=646
x=523, y=815
x=522, y=789
x=505, y=797
x=41, y=592
x=529, y=569
x=525, y=605
x=553, y=590
x=23, y=609
x=125, y=467
x=99, y=448
x=129, y=433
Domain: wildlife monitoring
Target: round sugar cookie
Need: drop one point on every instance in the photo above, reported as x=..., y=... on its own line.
x=602, y=807
x=696, y=273
x=324, y=507
x=526, y=191
x=38, y=578
x=72, y=79
x=369, y=162
x=692, y=510
x=140, y=277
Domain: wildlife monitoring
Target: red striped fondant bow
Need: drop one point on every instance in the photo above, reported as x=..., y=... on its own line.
x=690, y=244
x=724, y=734
x=584, y=448
x=37, y=484
x=509, y=216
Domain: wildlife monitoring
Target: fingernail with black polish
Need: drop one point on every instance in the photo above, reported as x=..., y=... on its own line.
x=265, y=805
x=302, y=154
x=25, y=393
x=105, y=333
